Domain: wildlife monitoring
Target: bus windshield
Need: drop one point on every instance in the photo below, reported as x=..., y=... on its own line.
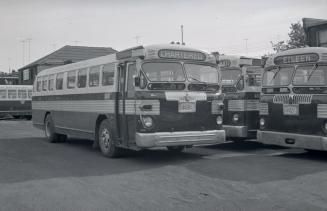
x=201, y=73
x=230, y=76
x=253, y=76
x=164, y=71
x=277, y=76
x=310, y=75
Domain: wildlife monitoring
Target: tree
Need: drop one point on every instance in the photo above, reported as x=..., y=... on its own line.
x=297, y=39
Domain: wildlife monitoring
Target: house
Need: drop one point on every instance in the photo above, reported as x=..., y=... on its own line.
x=65, y=55
x=316, y=32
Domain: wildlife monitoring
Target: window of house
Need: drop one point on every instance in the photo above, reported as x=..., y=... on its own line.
x=94, y=76
x=81, y=78
x=108, y=73
x=323, y=38
x=59, y=81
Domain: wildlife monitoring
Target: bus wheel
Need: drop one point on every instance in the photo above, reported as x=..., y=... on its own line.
x=176, y=149
x=106, y=140
x=51, y=136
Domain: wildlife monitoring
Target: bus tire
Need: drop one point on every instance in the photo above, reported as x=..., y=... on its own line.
x=49, y=131
x=106, y=140
x=176, y=149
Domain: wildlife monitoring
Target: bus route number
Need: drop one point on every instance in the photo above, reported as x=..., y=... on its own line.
x=186, y=107
x=291, y=109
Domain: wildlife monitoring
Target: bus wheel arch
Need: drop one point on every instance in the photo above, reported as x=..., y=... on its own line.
x=49, y=130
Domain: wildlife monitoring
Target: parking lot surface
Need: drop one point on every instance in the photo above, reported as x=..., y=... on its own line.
x=36, y=175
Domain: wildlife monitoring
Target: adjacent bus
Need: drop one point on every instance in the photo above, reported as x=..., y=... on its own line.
x=15, y=101
x=293, y=104
x=241, y=85
x=143, y=97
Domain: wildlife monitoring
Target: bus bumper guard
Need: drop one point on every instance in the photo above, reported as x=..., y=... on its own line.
x=236, y=131
x=161, y=139
x=292, y=140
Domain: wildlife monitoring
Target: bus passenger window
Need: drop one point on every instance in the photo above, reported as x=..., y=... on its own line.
x=94, y=76
x=108, y=74
x=44, y=83
x=3, y=94
x=59, y=81
x=29, y=92
x=12, y=94
x=81, y=78
x=22, y=94
x=71, y=79
x=51, y=82
x=38, y=84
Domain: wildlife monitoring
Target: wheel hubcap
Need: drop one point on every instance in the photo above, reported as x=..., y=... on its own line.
x=105, y=138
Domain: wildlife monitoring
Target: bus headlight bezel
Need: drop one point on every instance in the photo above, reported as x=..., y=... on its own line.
x=147, y=122
x=324, y=127
x=219, y=120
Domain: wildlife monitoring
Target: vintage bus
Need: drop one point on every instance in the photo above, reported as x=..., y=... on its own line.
x=241, y=86
x=15, y=101
x=143, y=97
x=293, y=104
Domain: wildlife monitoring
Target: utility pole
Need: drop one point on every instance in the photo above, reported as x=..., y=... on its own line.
x=182, y=34
x=29, y=48
x=9, y=64
x=23, y=41
x=137, y=39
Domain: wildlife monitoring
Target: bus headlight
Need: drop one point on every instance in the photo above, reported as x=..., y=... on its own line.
x=262, y=122
x=147, y=122
x=219, y=120
x=236, y=117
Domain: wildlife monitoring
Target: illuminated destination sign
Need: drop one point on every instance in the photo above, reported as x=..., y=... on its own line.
x=299, y=58
x=178, y=54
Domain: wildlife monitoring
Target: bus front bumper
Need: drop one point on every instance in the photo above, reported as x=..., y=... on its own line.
x=292, y=140
x=162, y=139
x=236, y=131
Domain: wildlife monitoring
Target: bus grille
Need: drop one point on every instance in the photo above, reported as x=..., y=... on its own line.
x=322, y=111
x=243, y=105
x=263, y=109
x=293, y=99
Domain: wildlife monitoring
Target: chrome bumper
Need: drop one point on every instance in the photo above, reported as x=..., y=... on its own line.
x=292, y=140
x=236, y=131
x=160, y=139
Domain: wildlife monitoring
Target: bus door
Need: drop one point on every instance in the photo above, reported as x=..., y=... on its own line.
x=126, y=102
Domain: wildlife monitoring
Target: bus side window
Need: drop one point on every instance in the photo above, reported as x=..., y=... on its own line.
x=29, y=92
x=94, y=76
x=108, y=74
x=51, y=82
x=59, y=81
x=44, y=83
x=38, y=84
x=71, y=79
x=12, y=94
x=22, y=94
x=3, y=94
x=81, y=78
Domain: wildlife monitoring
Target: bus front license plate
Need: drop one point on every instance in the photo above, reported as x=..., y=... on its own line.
x=186, y=107
x=291, y=109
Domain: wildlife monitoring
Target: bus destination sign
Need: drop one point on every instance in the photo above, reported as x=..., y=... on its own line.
x=178, y=54
x=299, y=58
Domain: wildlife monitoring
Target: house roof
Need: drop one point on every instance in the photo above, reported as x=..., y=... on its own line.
x=72, y=53
x=309, y=22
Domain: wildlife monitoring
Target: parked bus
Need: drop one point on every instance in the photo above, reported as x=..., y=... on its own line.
x=241, y=85
x=15, y=101
x=143, y=97
x=293, y=104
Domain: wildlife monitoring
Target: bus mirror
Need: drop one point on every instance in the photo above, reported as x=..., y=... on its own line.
x=137, y=81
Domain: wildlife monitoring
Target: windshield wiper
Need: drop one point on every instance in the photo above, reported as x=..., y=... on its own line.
x=195, y=79
x=312, y=71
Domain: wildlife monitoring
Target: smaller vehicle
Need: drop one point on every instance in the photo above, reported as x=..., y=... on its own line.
x=241, y=84
x=15, y=100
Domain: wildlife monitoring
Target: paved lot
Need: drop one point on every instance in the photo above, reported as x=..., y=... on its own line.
x=36, y=175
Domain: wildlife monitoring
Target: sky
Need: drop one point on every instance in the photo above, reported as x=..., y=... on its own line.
x=32, y=29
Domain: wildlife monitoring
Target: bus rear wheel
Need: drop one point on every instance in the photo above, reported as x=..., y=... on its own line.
x=106, y=140
x=176, y=149
x=49, y=131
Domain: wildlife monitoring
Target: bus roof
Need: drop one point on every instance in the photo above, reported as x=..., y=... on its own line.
x=299, y=55
x=16, y=86
x=237, y=61
x=159, y=51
